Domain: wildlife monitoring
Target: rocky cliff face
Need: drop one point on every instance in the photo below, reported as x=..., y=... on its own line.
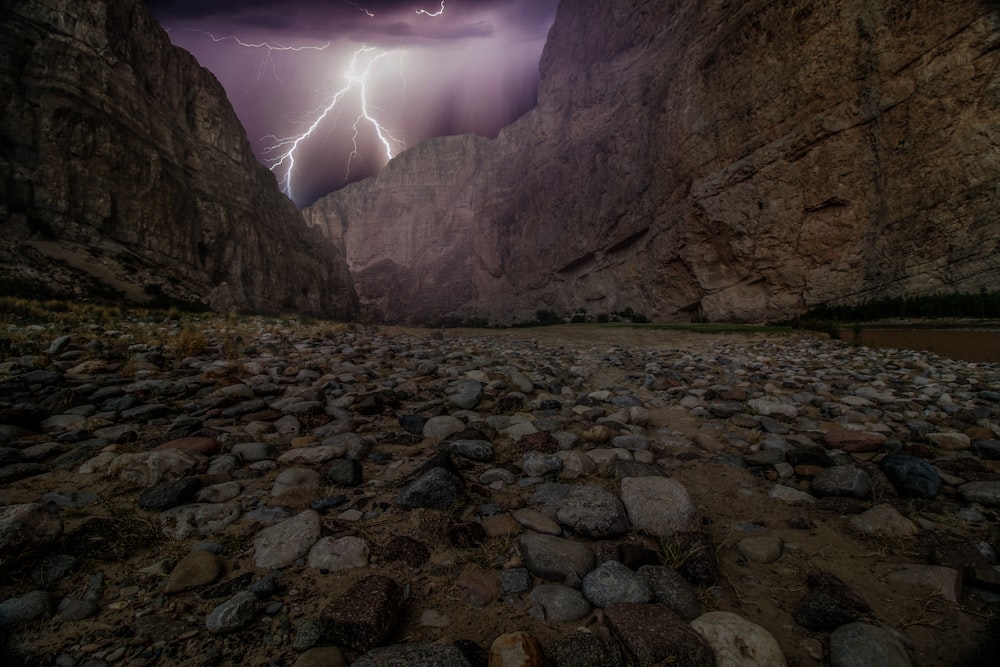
x=741, y=161
x=123, y=168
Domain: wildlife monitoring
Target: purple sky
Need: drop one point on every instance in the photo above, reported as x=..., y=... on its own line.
x=471, y=68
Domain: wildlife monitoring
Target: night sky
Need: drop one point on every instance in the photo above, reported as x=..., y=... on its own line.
x=471, y=68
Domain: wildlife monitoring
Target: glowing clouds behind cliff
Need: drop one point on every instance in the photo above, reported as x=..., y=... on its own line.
x=474, y=68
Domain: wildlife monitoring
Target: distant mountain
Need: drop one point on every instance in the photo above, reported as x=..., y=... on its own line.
x=733, y=161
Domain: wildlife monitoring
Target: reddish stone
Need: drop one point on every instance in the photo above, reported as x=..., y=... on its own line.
x=853, y=442
x=517, y=649
x=808, y=471
x=206, y=446
x=920, y=451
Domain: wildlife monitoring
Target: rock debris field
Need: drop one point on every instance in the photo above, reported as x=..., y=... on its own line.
x=270, y=492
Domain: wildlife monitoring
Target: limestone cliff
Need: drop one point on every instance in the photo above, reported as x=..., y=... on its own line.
x=123, y=168
x=741, y=161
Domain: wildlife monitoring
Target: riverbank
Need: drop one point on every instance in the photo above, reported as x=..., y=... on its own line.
x=243, y=491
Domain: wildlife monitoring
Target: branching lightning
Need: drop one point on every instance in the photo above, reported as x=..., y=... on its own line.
x=437, y=13
x=370, y=13
x=268, y=61
x=282, y=152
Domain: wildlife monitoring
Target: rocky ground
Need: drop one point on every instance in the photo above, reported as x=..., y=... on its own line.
x=261, y=492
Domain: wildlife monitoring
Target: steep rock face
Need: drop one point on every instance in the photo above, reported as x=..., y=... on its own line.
x=739, y=161
x=123, y=166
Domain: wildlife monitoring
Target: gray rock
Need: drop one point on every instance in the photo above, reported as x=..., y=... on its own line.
x=658, y=505
x=612, y=583
x=321, y=656
x=863, y=645
x=846, y=481
x=27, y=607
x=219, y=493
x=437, y=488
x=442, y=427
x=413, y=655
x=345, y=473
x=883, y=521
x=251, y=452
x=765, y=548
x=295, y=479
x=467, y=394
x=77, y=610
x=334, y=555
x=538, y=464
x=52, y=568
x=515, y=580
x=672, y=589
x=593, y=512
x=167, y=495
x=476, y=450
x=234, y=614
x=583, y=649
x=198, y=568
x=307, y=635
x=555, y=558
x=912, y=476
x=560, y=604
x=284, y=543
x=821, y=612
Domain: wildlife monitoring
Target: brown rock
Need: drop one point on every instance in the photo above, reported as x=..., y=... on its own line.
x=516, y=649
x=198, y=568
x=853, y=441
x=653, y=634
x=501, y=525
x=481, y=586
x=808, y=471
x=365, y=615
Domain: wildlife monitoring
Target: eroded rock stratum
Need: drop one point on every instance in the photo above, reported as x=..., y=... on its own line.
x=123, y=168
x=737, y=161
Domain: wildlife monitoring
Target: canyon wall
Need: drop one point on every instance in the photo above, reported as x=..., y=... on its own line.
x=720, y=159
x=124, y=171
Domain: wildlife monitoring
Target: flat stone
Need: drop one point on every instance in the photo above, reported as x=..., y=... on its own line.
x=584, y=649
x=736, y=641
x=335, y=555
x=659, y=506
x=950, y=441
x=790, y=496
x=536, y=521
x=653, y=635
x=480, y=586
x=928, y=580
x=846, y=481
x=863, y=645
x=311, y=455
x=984, y=493
x=475, y=450
x=592, y=511
x=883, y=521
x=821, y=612
x=365, y=615
x=554, y=558
x=219, y=493
x=284, y=543
x=251, y=452
x=611, y=583
x=559, y=604
x=198, y=568
x=70, y=609
x=853, y=442
x=442, y=427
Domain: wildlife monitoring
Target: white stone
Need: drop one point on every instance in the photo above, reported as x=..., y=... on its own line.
x=658, y=505
x=736, y=642
x=284, y=543
x=338, y=554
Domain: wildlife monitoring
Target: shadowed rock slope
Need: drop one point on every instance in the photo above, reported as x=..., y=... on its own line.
x=123, y=169
x=740, y=161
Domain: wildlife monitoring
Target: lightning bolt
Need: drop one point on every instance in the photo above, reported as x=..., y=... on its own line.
x=270, y=49
x=282, y=152
x=370, y=13
x=437, y=13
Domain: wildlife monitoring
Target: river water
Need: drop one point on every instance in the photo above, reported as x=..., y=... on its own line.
x=964, y=344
